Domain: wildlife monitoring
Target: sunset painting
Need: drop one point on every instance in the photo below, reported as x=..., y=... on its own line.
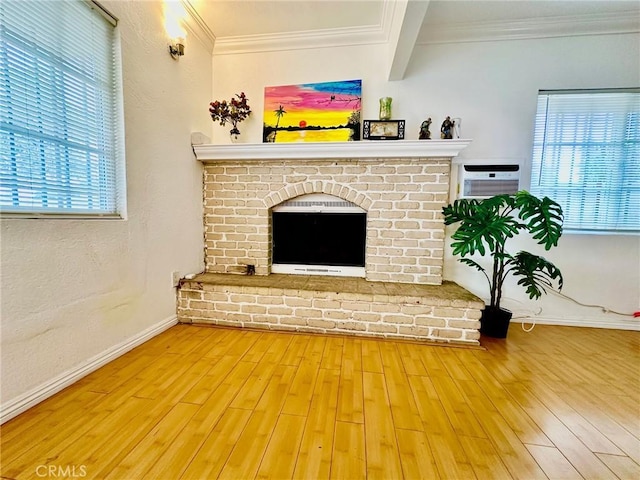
x=313, y=112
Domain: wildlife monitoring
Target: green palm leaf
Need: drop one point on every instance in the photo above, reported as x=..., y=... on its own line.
x=482, y=225
x=483, y=231
x=537, y=273
x=544, y=218
x=498, y=202
x=472, y=263
x=459, y=211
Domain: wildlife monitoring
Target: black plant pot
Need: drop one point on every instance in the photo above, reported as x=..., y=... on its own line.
x=495, y=322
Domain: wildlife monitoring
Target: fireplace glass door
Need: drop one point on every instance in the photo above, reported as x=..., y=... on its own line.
x=319, y=241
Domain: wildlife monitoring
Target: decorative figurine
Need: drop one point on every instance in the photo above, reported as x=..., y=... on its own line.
x=446, y=128
x=425, y=134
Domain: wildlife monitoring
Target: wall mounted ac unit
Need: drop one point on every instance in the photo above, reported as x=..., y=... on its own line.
x=483, y=181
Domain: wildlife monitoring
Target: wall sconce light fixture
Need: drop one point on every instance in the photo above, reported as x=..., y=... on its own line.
x=174, y=15
x=177, y=49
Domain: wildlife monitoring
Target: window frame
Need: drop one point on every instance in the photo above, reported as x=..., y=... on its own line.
x=584, y=224
x=117, y=159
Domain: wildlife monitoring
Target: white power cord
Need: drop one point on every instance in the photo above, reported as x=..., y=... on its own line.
x=533, y=324
x=562, y=295
x=601, y=307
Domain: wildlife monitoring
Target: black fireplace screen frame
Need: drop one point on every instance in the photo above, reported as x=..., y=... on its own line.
x=319, y=238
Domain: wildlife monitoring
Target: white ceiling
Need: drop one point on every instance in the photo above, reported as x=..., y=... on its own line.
x=235, y=18
x=232, y=18
x=237, y=26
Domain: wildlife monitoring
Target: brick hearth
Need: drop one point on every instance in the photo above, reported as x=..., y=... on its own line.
x=443, y=313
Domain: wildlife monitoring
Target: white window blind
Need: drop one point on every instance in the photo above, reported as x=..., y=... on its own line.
x=586, y=156
x=61, y=135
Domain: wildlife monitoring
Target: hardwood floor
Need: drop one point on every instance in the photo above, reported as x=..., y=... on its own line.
x=205, y=402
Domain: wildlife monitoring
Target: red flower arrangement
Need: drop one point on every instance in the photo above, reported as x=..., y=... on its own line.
x=233, y=112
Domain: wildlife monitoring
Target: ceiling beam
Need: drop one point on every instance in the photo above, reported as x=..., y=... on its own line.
x=408, y=16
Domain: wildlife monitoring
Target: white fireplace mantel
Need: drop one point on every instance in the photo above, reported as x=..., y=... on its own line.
x=329, y=150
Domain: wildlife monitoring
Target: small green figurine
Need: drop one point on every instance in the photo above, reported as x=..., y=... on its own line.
x=425, y=134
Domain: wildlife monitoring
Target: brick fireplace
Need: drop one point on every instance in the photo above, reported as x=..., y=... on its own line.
x=402, y=186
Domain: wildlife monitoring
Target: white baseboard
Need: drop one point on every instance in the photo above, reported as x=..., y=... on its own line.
x=18, y=405
x=632, y=324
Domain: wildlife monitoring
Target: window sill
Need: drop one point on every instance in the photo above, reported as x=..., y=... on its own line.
x=58, y=216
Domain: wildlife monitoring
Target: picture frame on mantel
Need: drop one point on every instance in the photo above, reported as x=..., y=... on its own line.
x=383, y=129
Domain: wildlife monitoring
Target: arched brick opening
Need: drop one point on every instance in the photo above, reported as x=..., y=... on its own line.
x=356, y=239
x=331, y=188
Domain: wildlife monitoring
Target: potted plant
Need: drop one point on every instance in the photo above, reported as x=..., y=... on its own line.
x=234, y=112
x=486, y=225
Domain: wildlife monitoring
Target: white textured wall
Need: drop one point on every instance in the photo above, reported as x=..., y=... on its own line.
x=493, y=87
x=74, y=289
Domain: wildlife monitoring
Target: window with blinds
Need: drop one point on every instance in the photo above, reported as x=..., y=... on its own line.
x=586, y=156
x=61, y=122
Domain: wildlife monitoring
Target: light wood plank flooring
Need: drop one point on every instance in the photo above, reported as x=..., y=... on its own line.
x=206, y=402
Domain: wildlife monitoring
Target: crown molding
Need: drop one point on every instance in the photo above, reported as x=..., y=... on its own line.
x=325, y=38
x=389, y=9
x=547, y=27
x=197, y=27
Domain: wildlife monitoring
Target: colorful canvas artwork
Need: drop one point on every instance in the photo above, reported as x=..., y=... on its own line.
x=313, y=112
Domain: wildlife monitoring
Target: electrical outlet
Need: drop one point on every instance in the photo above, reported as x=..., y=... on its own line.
x=175, y=279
